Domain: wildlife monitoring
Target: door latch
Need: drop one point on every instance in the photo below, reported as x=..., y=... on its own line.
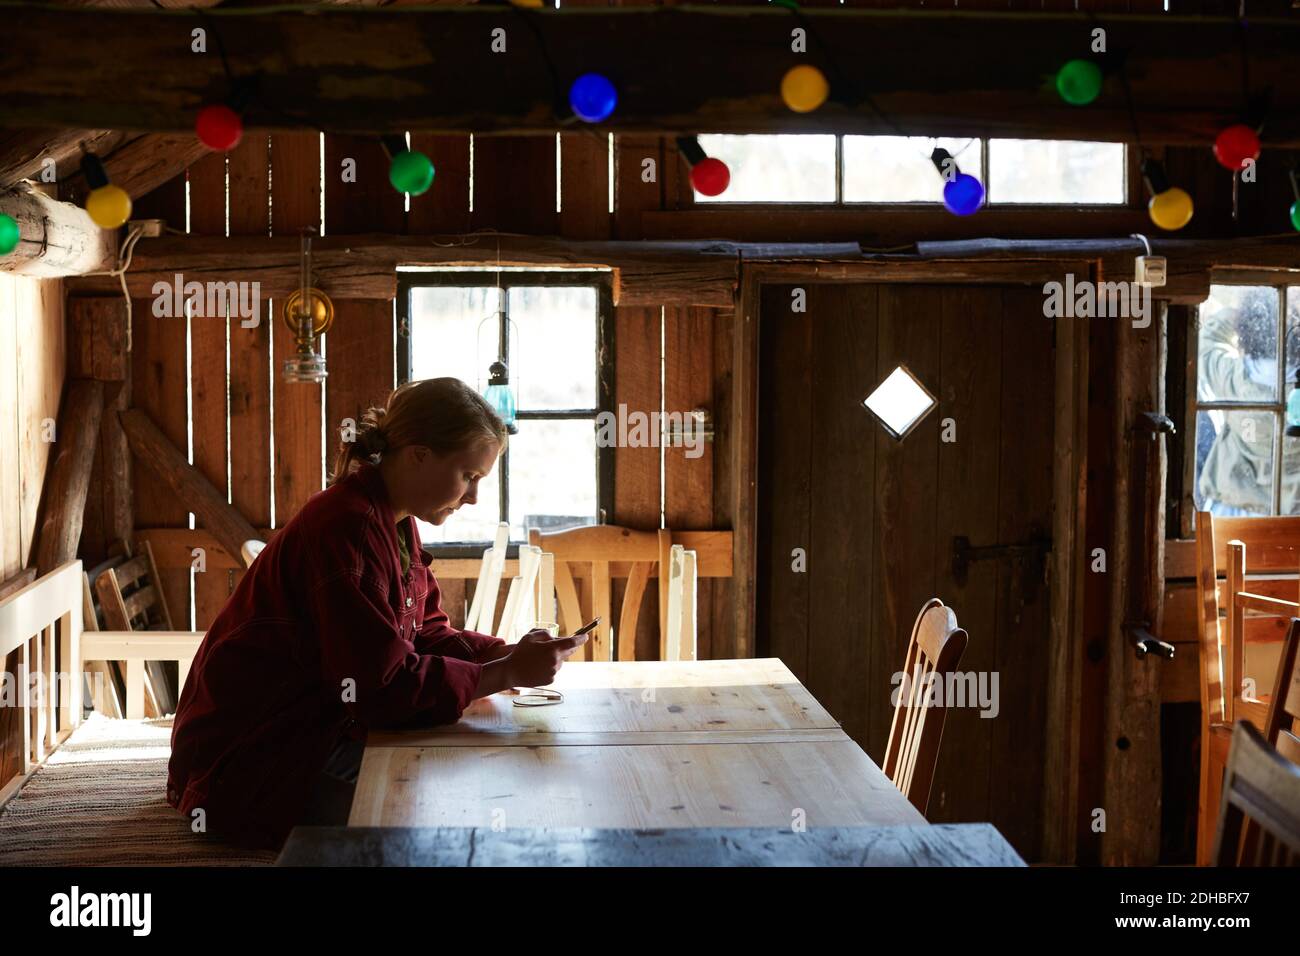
x=1035, y=550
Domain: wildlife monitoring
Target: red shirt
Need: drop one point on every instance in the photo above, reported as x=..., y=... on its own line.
x=324, y=637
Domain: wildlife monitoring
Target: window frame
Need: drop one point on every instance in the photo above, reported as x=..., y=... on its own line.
x=1279, y=282
x=1132, y=187
x=602, y=282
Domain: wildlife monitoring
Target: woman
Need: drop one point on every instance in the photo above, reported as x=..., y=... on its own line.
x=337, y=628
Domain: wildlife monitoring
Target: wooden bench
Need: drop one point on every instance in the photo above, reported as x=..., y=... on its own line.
x=74, y=767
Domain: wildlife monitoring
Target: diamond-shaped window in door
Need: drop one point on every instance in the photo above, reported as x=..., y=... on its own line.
x=900, y=402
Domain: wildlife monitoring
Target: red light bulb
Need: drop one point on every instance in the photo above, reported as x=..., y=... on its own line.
x=710, y=177
x=1236, y=144
x=219, y=127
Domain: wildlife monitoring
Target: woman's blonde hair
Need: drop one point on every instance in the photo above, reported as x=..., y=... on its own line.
x=443, y=414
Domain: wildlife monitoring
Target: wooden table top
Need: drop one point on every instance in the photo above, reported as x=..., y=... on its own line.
x=604, y=701
x=678, y=744
x=954, y=844
x=822, y=782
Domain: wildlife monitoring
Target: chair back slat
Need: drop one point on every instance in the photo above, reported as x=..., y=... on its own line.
x=934, y=652
x=601, y=552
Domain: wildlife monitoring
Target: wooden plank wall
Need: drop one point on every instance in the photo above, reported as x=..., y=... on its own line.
x=265, y=434
x=32, y=361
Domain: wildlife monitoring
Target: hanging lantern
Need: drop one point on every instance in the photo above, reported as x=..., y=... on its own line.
x=963, y=194
x=9, y=234
x=309, y=313
x=1236, y=145
x=1079, y=82
x=709, y=176
x=108, y=205
x=592, y=97
x=499, y=393
x=804, y=88
x=1170, y=208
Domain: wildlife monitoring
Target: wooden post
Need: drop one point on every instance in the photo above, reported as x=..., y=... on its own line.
x=1131, y=746
x=68, y=481
x=1069, y=560
x=151, y=446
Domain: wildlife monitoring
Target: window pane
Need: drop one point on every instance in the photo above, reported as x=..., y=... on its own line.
x=552, y=475
x=1292, y=335
x=898, y=168
x=1234, y=461
x=556, y=362
x=1238, y=345
x=774, y=168
x=476, y=522
x=445, y=335
x=1055, y=171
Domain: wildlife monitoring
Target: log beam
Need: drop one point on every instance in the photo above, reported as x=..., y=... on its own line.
x=57, y=238
x=654, y=272
x=218, y=516
x=382, y=70
x=68, y=480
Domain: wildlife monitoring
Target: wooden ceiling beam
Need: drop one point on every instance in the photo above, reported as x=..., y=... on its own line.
x=652, y=272
x=678, y=69
x=139, y=163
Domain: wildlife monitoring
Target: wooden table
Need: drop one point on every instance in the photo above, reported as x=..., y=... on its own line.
x=955, y=844
x=645, y=744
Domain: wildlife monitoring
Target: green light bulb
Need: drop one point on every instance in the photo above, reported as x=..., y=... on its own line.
x=411, y=172
x=1079, y=82
x=9, y=234
x=1295, y=215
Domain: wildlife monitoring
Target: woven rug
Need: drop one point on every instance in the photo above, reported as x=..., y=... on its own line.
x=99, y=800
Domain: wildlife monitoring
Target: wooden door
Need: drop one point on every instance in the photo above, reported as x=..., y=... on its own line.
x=877, y=518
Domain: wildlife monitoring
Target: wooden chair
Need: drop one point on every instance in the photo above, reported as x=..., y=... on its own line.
x=1282, y=723
x=483, y=606
x=131, y=598
x=1259, y=816
x=934, y=651
x=1228, y=625
x=606, y=552
x=683, y=626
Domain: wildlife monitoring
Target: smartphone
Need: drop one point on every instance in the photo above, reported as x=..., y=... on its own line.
x=586, y=628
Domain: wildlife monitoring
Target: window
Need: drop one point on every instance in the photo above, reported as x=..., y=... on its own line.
x=1240, y=401
x=552, y=475
x=824, y=168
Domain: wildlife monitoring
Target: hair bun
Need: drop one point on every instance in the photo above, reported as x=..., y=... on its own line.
x=373, y=440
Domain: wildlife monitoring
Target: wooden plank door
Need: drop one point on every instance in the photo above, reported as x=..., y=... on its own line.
x=876, y=518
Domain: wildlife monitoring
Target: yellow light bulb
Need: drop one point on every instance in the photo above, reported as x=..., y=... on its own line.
x=804, y=88
x=109, y=206
x=1171, y=209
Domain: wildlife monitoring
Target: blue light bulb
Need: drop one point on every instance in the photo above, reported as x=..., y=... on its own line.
x=963, y=195
x=592, y=97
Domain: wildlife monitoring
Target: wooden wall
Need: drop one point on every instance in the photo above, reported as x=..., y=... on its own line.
x=244, y=421
x=32, y=353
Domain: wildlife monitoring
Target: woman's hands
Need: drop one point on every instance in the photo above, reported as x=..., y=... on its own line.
x=538, y=656
x=532, y=662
